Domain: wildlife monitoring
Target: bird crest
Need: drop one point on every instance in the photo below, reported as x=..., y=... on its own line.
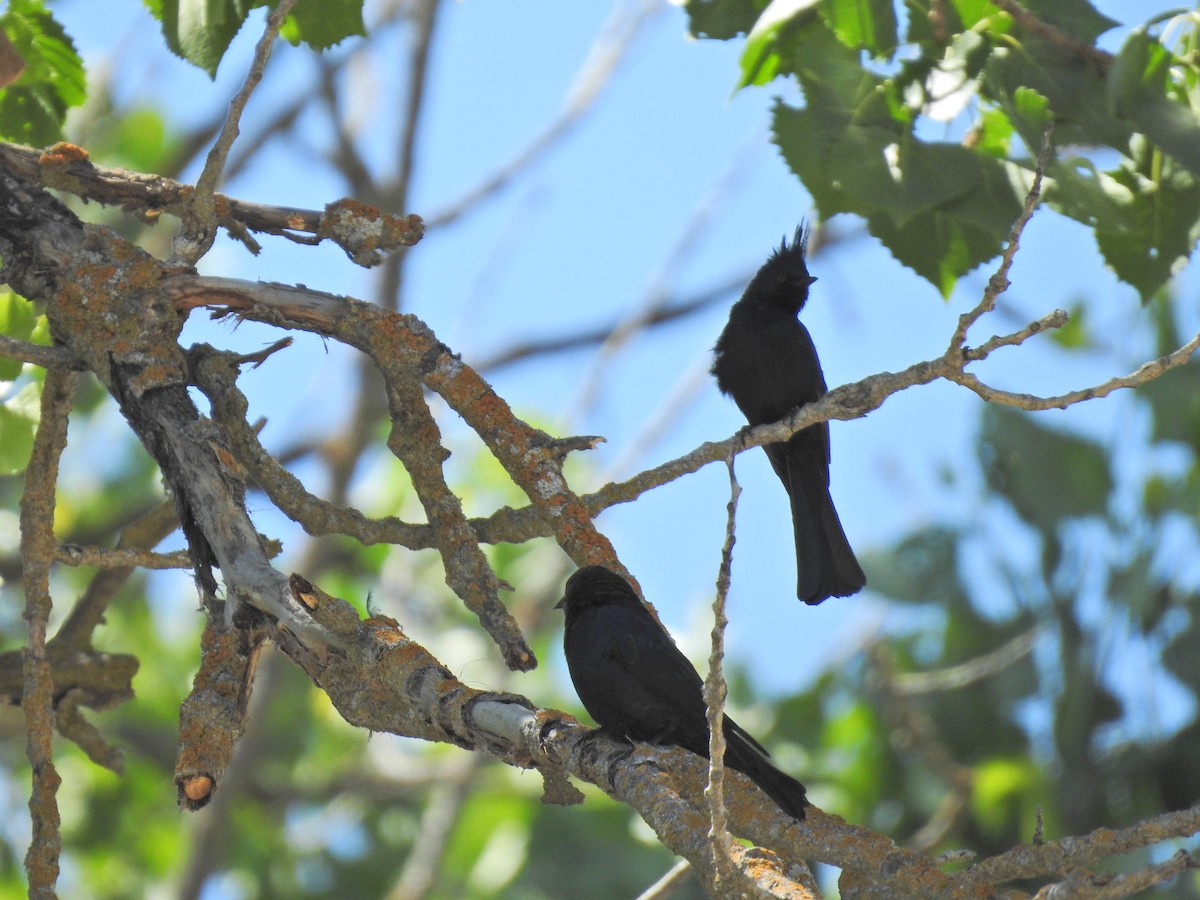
x=783, y=278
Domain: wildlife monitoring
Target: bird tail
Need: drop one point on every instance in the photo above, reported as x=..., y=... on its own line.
x=825, y=563
x=743, y=753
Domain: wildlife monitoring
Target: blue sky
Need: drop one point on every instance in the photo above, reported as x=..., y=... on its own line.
x=583, y=239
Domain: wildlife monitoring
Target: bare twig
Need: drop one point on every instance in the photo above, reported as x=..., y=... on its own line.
x=200, y=225
x=40, y=355
x=1086, y=886
x=136, y=540
x=594, y=75
x=913, y=730
x=672, y=880
x=999, y=283
x=442, y=811
x=37, y=551
x=1065, y=856
x=1031, y=23
x=715, y=691
x=362, y=231
x=949, y=679
x=121, y=558
x=589, y=337
x=424, y=17
x=647, y=311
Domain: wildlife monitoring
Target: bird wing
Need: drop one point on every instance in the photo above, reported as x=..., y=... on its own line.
x=667, y=702
x=639, y=650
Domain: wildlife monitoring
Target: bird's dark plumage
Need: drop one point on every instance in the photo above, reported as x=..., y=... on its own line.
x=636, y=683
x=765, y=360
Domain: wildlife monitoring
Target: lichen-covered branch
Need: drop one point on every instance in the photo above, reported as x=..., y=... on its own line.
x=213, y=716
x=1063, y=857
x=364, y=232
x=399, y=345
x=104, y=302
x=37, y=696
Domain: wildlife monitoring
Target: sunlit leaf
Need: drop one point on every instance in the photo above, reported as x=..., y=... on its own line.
x=18, y=422
x=33, y=108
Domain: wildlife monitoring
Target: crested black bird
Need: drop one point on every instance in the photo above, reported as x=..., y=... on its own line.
x=637, y=685
x=765, y=360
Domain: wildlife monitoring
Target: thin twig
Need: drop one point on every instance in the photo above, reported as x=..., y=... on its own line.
x=39, y=354
x=200, y=226
x=121, y=557
x=424, y=18
x=715, y=691
x=1056, y=36
x=37, y=702
x=654, y=301
x=606, y=53
x=442, y=813
x=1069, y=854
x=590, y=337
x=999, y=283
x=672, y=880
x=137, y=538
x=910, y=684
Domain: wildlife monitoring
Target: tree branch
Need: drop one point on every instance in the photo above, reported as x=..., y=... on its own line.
x=365, y=233
x=37, y=698
x=200, y=220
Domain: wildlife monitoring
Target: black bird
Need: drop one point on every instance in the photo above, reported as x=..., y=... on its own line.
x=637, y=685
x=765, y=360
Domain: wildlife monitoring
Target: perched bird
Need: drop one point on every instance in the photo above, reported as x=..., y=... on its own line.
x=765, y=360
x=637, y=685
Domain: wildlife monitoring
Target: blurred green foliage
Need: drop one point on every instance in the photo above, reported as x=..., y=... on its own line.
x=34, y=106
x=876, y=88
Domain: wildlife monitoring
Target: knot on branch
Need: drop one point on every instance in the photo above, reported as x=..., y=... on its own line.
x=366, y=233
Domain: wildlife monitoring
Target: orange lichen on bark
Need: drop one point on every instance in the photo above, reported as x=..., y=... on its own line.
x=61, y=155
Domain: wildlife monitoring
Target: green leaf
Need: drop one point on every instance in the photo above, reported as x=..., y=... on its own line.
x=33, y=108
x=760, y=57
x=324, y=23
x=955, y=18
x=1074, y=95
x=18, y=422
x=17, y=320
x=723, y=19
x=1168, y=123
x=1182, y=655
x=1032, y=110
x=993, y=134
x=1076, y=188
x=200, y=31
x=1162, y=494
x=939, y=208
x=1163, y=227
x=863, y=24
x=938, y=247
x=1076, y=17
x=1138, y=92
x=1047, y=475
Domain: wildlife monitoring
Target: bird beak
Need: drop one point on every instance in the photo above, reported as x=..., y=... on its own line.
x=561, y=604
